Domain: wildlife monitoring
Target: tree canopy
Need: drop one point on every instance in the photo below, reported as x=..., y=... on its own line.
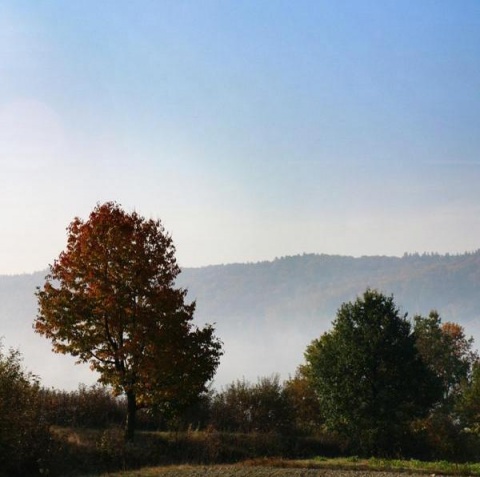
x=368, y=374
x=448, y=353
x=110, y=300
x=446, y=350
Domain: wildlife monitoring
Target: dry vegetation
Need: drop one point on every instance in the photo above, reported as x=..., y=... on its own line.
x=316, y=468
x=243, y=471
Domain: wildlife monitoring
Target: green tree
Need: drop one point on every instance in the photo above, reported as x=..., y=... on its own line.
x=468, y=406
x=110, y=300
x=368, y=375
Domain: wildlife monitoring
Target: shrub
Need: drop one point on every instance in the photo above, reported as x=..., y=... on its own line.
x=25, y=441
x=243, y=407
x=93, y=406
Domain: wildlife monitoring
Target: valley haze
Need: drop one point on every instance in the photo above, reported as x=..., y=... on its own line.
x=266, y=313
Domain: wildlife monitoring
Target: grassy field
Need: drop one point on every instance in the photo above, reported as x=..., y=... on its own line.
x=342, y=467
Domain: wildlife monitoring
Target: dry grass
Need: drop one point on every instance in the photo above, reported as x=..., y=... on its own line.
x=320, y=467
x=233, y=471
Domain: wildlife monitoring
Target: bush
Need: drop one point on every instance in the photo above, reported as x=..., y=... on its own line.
x=25, y=441
x=243, y=407
x=93, y=406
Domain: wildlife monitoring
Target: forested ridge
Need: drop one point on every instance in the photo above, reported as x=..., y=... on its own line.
x=309, y=286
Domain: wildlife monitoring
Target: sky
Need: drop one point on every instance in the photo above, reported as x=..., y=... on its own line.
x=251, y=129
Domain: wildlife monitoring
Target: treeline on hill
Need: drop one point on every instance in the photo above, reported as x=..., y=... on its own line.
x=311, y=285
x=375, y=384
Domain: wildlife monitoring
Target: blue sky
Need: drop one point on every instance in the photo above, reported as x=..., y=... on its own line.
x=252, y=129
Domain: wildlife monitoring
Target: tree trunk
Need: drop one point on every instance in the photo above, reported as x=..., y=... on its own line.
x=131, y=415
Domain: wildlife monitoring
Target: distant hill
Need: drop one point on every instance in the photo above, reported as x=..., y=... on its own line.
x=267, y=312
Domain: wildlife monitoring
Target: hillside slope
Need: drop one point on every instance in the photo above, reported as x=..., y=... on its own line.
x=306, y=287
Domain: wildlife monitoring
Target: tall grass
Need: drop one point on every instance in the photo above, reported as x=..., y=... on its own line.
x=83, y=451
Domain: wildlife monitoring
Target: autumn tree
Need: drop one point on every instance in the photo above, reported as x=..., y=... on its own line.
x=368, y=375
x=303, y=403
x=110, y=300
x=448, y=352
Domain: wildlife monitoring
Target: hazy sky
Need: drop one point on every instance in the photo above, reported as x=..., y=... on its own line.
x=252, y=129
